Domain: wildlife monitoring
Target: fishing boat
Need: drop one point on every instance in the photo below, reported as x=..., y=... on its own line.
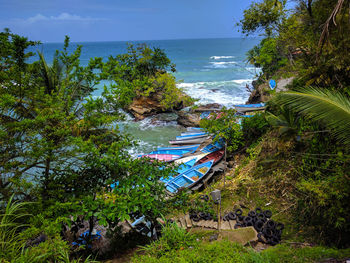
x=189, y=178
x=186, y=159
x=175, y=151
x=215, y=156
x=186, y=147
x=183, y=167
x=162, y=157
x=194, y=129
x=192, y=133
x=213, y=147
x=192, y=136
x=249, y=107
x=189, y=141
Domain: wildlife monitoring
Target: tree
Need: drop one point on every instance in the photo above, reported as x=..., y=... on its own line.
x=265, y=16
x=142, y=72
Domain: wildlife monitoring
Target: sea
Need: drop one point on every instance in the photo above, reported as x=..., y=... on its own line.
x=210, y=70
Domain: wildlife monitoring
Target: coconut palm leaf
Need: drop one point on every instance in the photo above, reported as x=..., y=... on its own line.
x=330, y=107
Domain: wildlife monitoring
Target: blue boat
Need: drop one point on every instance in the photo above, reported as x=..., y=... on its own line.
x=191, y=136
x=194, y=129
x=183, y=167
x=272, y=84
x=186, y=147
x=189, y=178
x=213, y=147
x=174, y=152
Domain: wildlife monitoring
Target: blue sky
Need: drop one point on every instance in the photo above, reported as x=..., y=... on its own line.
x=113, y=20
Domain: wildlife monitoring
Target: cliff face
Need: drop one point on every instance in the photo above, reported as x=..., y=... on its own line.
x=142, y=107
x=261, y=93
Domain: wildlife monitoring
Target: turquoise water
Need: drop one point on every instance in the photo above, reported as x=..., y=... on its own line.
x=211, y=70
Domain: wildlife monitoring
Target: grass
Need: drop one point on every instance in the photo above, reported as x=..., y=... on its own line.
x=225, y=251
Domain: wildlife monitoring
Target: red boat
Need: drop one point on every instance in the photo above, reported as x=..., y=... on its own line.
x=216, y=156
x=162, y=157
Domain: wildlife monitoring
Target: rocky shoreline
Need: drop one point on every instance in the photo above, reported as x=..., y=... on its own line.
x=143, y=107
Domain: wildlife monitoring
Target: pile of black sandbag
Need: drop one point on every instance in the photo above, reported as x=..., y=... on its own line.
x=269, y=231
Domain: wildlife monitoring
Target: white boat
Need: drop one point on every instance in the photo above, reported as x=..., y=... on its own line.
x=249, y=107
x=189, y=158
x=190, y=141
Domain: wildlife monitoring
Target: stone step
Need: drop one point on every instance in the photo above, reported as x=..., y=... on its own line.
x=188, y=221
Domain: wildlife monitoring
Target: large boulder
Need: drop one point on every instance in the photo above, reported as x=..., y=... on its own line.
x=259, y=94
x=188, y=119
x=208, y=107
x=143, y=107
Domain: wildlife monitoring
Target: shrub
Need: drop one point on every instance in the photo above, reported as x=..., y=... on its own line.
x=254, y=127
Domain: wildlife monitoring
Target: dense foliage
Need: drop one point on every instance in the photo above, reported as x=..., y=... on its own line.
x=142, y=72
x=310, y=40
x=310, y=43
x=61, y=149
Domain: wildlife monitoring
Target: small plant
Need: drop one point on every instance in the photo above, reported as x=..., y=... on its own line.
x=173, y=238
x=224, y=125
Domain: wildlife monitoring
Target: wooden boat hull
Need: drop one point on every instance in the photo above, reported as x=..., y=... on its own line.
x=186, y=147
x=192, y=136
x=189, y=178
x=174, y=151
x=186, y=159
x=190, y=141
x=214, y=156
x=162, y=157
x=250, y=107
x=213, y=147
x=194, y=129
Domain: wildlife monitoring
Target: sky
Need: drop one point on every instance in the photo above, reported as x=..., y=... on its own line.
x=121, y=20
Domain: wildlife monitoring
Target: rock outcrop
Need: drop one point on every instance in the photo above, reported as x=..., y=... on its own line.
x=188, y=119
x=191, y=117
x=260, y=93
x=142, y=107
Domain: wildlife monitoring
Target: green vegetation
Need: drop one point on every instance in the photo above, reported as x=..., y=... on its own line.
x=225, y=251
x=61, y=149
x=142, y=72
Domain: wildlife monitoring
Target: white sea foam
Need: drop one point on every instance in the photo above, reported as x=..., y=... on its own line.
x=221, y=57
x=242, y=81
x=222, y=64
x=226, y=93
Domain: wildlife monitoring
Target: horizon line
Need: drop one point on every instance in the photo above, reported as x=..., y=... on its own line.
x=103, y=41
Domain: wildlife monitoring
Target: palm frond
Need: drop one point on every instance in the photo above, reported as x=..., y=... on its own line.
x=330, y=107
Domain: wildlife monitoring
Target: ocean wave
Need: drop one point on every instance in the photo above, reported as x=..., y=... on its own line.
x=221, y=57
x=222, y=64
x=227, y=93
x=242, y=81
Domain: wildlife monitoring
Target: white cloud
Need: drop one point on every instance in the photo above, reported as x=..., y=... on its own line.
x=61, y=17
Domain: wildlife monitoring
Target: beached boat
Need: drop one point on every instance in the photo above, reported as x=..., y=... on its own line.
x=162, y=157
x=186, y=159
x=183, y=167
x=192, y=133
x=192, y=136
x=186, y=147
x=189, y=141
x=213, y=147
x=214, y=156
x=250, y=107
x=175, y=151
x=189, y=178
x=194, y=129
